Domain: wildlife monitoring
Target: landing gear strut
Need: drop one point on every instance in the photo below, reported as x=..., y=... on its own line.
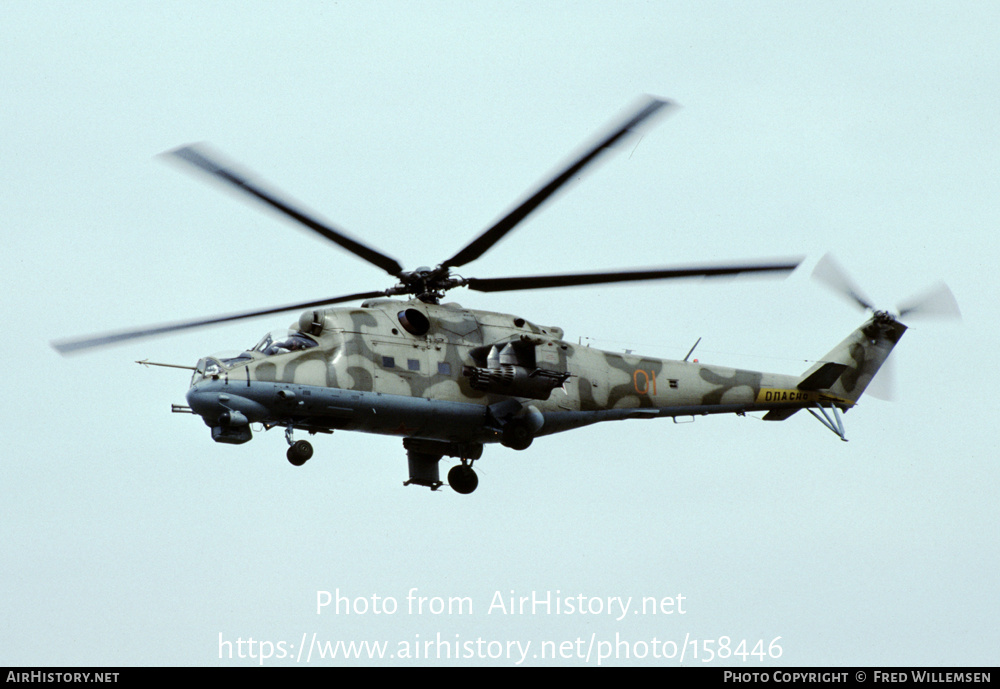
x=423, y=456
x=299, y=451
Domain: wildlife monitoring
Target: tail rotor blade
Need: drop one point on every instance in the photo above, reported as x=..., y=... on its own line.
x=883, y=385
x=829, y=272
x=937, y=302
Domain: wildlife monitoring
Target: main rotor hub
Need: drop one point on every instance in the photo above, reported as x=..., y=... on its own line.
x=426, y=284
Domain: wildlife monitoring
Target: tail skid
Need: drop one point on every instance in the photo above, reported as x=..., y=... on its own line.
x=835, y=424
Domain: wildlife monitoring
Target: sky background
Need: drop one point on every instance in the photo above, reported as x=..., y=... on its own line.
x=868, y=130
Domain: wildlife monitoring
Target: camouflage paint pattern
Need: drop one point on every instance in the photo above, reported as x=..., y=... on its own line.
x=368, y=352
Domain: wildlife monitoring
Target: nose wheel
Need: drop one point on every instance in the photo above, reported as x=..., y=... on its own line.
x=299, y=451
x=462, y=478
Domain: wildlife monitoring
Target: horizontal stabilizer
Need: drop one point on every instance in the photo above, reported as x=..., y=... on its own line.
x=823, y=377
x=779, y=414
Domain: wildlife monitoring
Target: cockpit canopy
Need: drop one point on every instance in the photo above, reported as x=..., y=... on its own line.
x=283, y=341
x=273, y=343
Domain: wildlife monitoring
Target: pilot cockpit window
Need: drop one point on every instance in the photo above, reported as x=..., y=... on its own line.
x=284, y=341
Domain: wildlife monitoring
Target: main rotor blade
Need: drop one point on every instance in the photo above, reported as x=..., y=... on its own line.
x=491, y=236
x=828, y=271
x=574, y=280
x=201, y=157
x=78, y=345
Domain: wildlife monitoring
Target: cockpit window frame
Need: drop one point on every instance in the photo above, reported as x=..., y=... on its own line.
x=277, y=342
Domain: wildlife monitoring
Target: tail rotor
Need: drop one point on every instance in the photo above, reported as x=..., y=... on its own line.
x=938, y=302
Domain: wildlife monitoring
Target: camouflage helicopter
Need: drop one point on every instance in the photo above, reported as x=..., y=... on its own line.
x=449, y=380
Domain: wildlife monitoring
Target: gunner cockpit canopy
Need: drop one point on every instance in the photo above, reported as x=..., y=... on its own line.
x=283, y=341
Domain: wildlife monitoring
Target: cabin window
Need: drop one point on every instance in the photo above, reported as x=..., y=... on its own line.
x=388, y=362
x=444, y=368
x=413, y=364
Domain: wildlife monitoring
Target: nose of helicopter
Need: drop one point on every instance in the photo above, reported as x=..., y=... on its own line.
x=211, y=400
x=205, y=402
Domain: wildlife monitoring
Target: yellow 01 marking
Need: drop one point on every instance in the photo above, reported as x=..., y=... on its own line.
x=648, y=381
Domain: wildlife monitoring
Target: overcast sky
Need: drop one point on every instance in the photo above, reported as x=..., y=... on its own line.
x=868, y=130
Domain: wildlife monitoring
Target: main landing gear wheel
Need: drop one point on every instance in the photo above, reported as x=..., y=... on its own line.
x=300, y=452
x=462, y=479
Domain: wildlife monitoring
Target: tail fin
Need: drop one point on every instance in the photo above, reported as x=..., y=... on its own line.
x=861, y=354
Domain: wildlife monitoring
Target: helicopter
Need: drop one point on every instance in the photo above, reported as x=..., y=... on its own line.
x=450, y=380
